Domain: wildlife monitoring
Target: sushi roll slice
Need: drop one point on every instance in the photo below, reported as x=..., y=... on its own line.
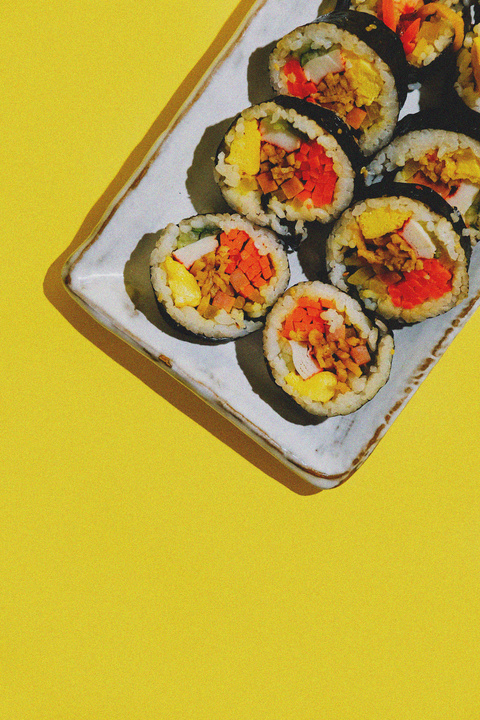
x=467, y=83
x=402, y=251
x=439, y=151
x=217, y=276
x=351, y=63
x=428, y=31
x=284, y=163
x=323, y=350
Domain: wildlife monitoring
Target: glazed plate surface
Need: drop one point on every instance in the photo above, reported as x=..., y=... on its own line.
x=109, y=275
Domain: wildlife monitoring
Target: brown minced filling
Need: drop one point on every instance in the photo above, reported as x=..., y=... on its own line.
x=209, y=272
x=388, y=253
x=336, y=93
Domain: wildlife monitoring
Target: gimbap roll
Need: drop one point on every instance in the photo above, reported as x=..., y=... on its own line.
x=402, y=251
x=323, y=350
x=348, y=62
x=284, y=163
x=441, y=152
x=427, y=30
x=467, y=83
x=217, y=276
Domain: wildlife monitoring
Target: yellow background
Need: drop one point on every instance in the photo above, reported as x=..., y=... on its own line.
x=155, y=563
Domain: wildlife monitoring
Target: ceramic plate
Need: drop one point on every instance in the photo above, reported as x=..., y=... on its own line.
x=109, y=275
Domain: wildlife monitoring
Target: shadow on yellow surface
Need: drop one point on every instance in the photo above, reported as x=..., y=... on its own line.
x=146, y=371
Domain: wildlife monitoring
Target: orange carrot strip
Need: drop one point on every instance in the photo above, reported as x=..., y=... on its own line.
x=287, y=326
x=246, y=290
x=388, y=14
x=258, y=281
x=298, y=313
x=310, y=303
x=328, y=303
x=255, y=269
x=302, y=196
x=264, y=262
x=409, y=34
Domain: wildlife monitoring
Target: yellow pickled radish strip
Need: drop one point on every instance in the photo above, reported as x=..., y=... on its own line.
x=464, y=165
x=319, y=387
x=245, y=149
x=476, y=61
x=365, y=79
x=380, y=221
x=455, y=20
x=185, y=289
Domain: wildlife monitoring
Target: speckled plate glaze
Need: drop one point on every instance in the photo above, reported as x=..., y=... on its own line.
x=109, y=275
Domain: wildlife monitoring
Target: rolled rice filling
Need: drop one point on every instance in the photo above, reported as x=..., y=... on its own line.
x=300, y=172
x=402, y=258
x=323, y=350
x=325, y=354
x=446, y=161
x=425, y=29
x=338, y=90
x=277, y=164
x=334, y=69
x=222, y=275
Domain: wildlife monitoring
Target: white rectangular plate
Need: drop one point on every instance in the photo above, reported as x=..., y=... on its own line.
x=109, y=275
